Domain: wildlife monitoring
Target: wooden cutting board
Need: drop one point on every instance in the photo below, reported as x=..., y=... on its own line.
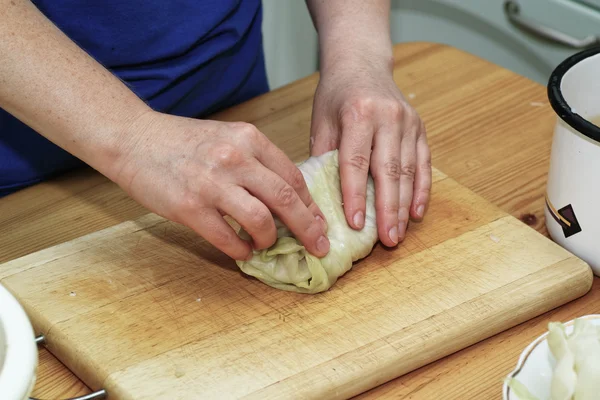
x=148, y=310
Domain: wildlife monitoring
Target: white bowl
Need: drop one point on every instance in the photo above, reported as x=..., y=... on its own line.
x=535, y=365
x=18, y=350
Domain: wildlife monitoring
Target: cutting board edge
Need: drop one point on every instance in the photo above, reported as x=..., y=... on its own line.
x=363, y=382
x=58, y=251
x=57, y=344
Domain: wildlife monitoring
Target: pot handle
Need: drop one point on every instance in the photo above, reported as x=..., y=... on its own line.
x=513, y=13
x=99, y=395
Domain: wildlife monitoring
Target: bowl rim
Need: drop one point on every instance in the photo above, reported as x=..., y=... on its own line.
x=530, y=348
x=558, y=102
x=21, y=350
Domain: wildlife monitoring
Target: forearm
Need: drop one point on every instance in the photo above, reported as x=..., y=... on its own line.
x=352, y=30
x=53, y=86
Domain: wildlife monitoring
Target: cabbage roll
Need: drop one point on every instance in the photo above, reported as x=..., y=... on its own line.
x=287, y=265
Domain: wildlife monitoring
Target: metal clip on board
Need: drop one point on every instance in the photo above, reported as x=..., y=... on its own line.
x=99, y=395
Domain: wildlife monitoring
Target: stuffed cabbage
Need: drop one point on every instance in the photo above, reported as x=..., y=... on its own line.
x=287, y=265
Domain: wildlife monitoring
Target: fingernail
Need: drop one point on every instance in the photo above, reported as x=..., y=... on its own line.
x=401, y=230
x=249, y=257
x=323, y=244
x=359, y=219
x=393, y=233
x=420, y=211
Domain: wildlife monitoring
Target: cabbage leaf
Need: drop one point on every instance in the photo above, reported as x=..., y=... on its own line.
x=287, y=265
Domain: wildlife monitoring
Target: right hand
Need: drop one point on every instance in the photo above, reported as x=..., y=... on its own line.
x=196, y=171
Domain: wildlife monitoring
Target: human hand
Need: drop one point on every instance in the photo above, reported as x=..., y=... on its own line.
x=359, y=109
x=196, y=171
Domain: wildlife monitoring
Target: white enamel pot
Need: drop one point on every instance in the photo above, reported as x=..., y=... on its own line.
x=572, y=208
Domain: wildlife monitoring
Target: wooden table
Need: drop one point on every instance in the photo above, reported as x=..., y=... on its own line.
x=488, y=128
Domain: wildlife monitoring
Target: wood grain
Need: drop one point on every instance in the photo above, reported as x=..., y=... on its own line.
x=55, y=381
x=478, y=371
x=147, y=309
x=486, y=130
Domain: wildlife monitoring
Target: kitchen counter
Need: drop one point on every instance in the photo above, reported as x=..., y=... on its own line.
x=488, y=128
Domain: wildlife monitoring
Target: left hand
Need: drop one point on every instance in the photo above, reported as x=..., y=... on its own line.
x=359, y=109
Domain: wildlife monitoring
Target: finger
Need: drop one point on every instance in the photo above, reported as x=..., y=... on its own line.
x=422, y=186
x=385, y=169
x=252, y=215
x=323, y=140
x=408, y=160
x=285, y=202
x=323, y=134
x=275, y=160
x=354, y=160
x=209, y=224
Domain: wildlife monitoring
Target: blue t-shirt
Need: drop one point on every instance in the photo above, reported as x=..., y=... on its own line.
x=183, y=57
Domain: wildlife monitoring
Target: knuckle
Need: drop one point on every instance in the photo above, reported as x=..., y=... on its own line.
x=188, y=203
x=396, y=110
x=390, y=209
x=221, y=238
x=330, y=143
x=425, y=159
x=235, y=126
x=408, y=171
x=358, y=109
x=425, y=191
x=392, y=169
x=410, y=114
x=297, y=179
x=359, y=162
x=285, y=196
x=227, y=155
x=248, y=131
x=358, y=195
x=426, y=165
x=403, y=216
x=242, y=127
x=260, y=219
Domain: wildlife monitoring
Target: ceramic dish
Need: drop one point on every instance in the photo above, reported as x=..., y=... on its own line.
x=18, y=350
x=572, y=193
x=534, y=368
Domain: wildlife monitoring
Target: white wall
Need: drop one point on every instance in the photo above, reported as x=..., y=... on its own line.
x=290, y=41
x=479, y=27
